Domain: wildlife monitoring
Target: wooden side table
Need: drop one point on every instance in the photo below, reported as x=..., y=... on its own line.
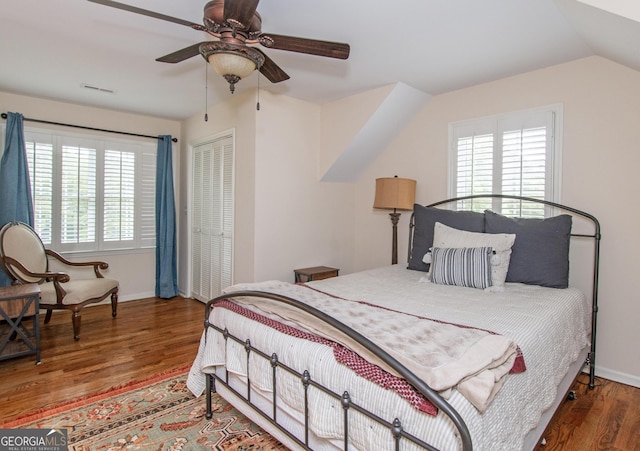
x=314, y=273
x=19, y=303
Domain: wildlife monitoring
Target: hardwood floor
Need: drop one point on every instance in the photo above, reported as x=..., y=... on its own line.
x=147, y=337
x=153, y=335
x=605, y=418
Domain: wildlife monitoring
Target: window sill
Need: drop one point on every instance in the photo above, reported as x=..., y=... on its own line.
x=99, y=254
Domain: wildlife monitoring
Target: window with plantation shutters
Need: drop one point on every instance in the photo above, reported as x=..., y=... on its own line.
x=512, y=154
x=91, y=194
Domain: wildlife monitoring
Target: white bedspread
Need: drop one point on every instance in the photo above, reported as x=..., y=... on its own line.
x=441, y=354
x=549, y=325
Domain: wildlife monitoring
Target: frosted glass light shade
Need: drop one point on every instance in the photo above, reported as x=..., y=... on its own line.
x=231, y=64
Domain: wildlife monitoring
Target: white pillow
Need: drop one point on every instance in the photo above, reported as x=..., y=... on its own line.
x=445, y=236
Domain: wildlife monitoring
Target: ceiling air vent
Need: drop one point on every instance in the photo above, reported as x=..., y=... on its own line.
x=97, y=88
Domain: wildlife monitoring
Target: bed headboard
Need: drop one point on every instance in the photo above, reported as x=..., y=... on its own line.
x=534, y=240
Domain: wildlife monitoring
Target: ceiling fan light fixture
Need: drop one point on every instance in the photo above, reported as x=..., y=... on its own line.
x=232, y=61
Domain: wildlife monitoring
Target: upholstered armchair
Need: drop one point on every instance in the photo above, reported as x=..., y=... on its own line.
x=26, y=260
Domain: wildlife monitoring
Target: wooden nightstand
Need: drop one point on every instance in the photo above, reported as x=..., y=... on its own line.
x=19, y=303
x=314, y=273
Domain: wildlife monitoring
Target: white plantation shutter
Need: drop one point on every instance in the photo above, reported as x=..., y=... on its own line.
x=514, y=154
x=40, y=161
x=129, y=196
x=474, y=168
x=78, y=195
x=524, y=170
x=90, y=194
x=146, y=210
x=119, y=195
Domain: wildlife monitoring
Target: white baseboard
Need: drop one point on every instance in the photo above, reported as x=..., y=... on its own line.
x=129, y=297
x=617, y=376
x=135, y=297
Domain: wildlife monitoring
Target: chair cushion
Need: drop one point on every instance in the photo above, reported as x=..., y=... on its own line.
x=78, y=291
x=22, y=244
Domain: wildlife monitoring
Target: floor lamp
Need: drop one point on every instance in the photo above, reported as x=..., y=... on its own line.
x=393, y=193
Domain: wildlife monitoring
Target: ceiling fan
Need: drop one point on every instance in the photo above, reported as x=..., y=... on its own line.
x=236, y=23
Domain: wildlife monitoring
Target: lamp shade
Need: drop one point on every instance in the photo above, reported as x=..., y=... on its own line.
x=233, y=61
x=232, y=64
x=395, y=193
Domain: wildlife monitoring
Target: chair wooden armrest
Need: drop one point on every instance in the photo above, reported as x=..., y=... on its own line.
x=59, y=277
x=56, y=277
x=97, y=265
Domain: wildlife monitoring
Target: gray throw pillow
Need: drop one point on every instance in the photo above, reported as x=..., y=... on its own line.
x=463, y=266
x=540, y=254
x=425, y=219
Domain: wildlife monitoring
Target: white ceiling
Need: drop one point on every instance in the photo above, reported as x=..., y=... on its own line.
x=50, y=48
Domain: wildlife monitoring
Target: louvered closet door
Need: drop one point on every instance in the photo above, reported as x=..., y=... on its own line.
x=212, y=217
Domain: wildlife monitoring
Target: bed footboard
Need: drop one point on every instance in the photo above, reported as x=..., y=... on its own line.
x=349, y=407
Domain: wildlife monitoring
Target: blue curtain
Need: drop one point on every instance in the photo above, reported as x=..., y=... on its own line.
x=15, y=189
x=166, y=256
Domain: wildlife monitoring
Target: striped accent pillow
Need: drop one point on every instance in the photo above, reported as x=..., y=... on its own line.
x=464, y=267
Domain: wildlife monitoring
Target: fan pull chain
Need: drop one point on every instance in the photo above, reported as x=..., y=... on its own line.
x=258, y=102
x=206, y=92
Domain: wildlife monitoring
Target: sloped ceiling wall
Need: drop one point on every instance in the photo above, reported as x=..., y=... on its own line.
x=359, y=139
x=625, y=8
x=611, y=28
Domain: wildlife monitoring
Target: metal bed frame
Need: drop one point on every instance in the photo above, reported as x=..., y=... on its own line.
x=395, y=428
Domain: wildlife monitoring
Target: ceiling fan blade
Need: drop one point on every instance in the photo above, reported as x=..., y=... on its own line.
x=181, y=54
x=304, y=45
x=271, y=70
x=148, y=13
x=240, y=11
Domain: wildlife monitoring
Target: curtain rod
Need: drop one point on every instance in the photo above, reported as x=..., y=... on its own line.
x=4, y=116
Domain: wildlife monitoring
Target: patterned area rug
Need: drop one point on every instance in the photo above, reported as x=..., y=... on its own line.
x=159, y=413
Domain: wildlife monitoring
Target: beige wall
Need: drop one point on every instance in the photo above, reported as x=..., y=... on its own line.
x=601, y=102
x=284, y=217
x=238, y=115
x=133, y=284
x=300, y=221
